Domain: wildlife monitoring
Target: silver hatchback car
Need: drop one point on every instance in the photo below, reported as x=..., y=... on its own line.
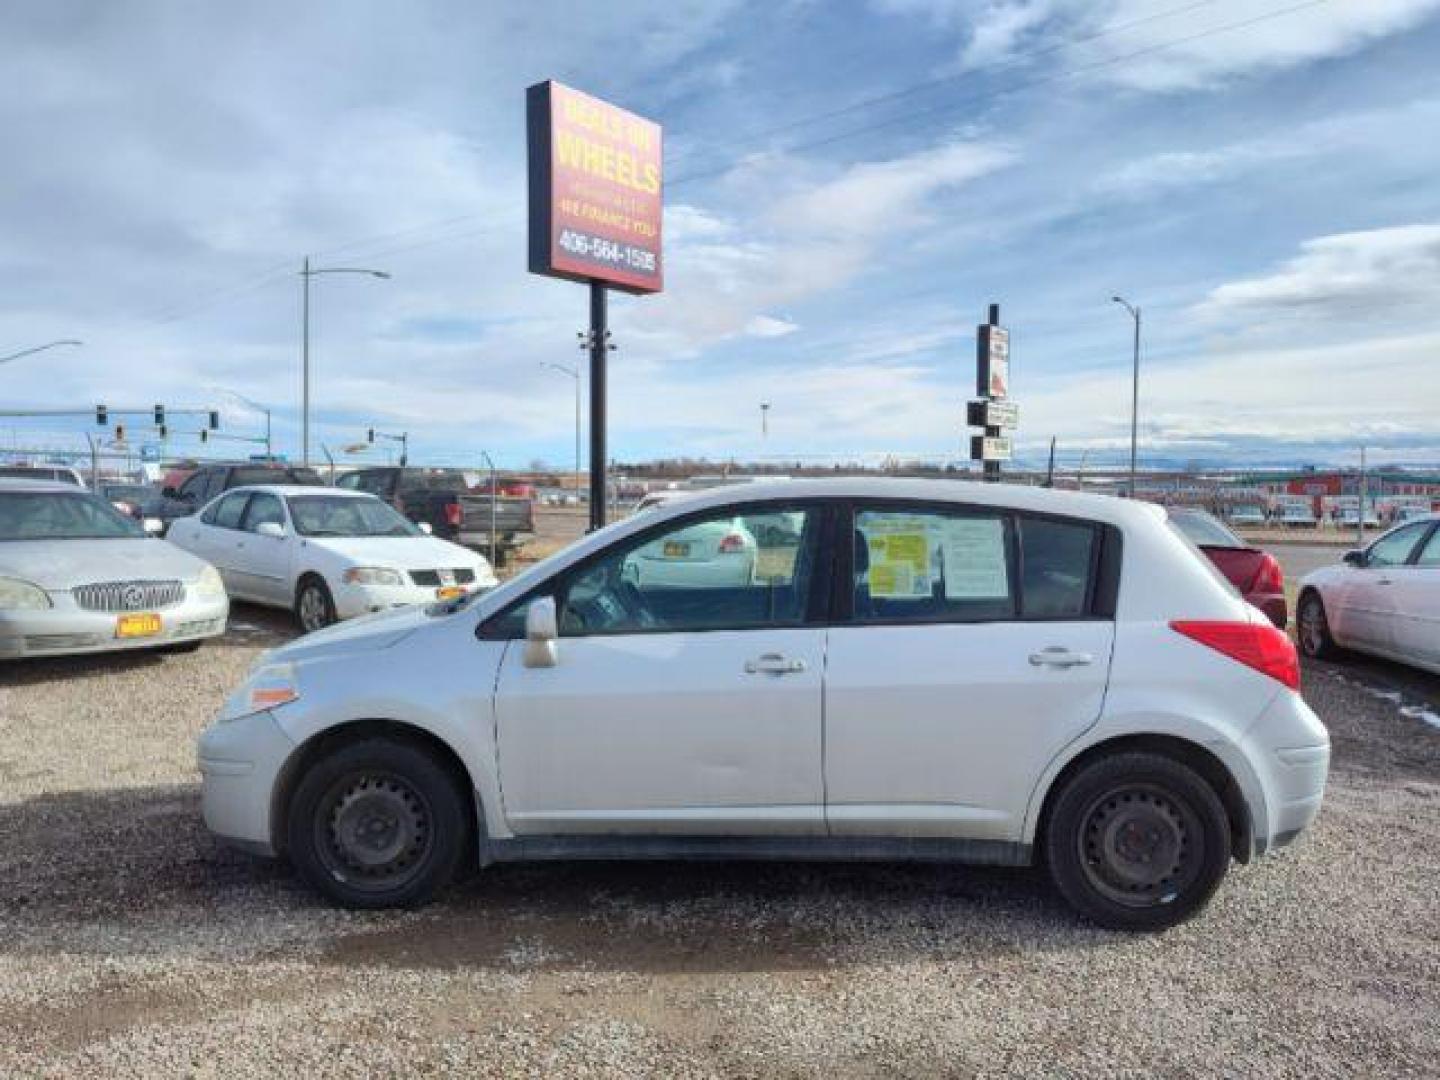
x=77, y=576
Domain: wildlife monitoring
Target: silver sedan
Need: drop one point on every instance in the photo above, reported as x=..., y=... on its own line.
x=77, y=576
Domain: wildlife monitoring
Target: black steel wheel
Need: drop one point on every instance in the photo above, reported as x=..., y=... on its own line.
x=1313, y=628
x=378, y=823
x=1137, y=841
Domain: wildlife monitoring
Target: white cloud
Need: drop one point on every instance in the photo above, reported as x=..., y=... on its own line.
x=1378, y=271
x=767, y=326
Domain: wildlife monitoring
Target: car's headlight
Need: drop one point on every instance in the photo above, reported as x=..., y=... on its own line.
x=208, y=585
x=267, y=688
x=372, y=575
x=17, y=595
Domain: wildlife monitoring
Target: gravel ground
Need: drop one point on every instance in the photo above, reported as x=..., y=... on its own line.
x=131, y=944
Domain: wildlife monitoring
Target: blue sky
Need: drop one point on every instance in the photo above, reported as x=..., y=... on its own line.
x=849, y=184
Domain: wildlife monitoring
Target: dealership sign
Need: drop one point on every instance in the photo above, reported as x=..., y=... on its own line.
x=994, y=414
x=989, y=447
x=993, y=375
x=595, y=190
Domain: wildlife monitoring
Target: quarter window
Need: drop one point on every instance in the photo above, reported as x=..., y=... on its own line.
x=733, y=571
x=226, y=514
x=1056, y=558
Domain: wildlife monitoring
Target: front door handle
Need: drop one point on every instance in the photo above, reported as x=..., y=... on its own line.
x=774, y=664
x=1056, y=656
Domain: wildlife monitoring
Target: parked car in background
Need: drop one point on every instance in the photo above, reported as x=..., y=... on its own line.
x=60, y=473
x=1256, y=573
x=1297, y=516
x=1411, y=513
x=126, y=496
x=1348, y=517
x=77, y=576
x=325, y=554
x=937, y=670
x=1248, y=515
x=1384, y=599
x=455, y=503
x=208, y=481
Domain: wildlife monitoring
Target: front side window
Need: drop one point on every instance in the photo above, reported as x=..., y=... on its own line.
x=932, y=566
x=43, y=515
x=731, y=570
x=1430, y=553
x=1395, y=548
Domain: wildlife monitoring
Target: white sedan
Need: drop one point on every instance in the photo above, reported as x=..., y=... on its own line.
x=326, y=554
x=1384, y=599
x=932, y=670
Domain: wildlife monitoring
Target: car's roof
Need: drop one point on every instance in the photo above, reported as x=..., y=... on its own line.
x=14, y=483
x=1106, y=508
x=302, y=489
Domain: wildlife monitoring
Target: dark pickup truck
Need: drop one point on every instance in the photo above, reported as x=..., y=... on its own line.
x=453, y=502
x=208, y=481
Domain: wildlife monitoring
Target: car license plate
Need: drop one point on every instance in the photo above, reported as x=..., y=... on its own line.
x=450, y=592
x=676, y=551
x=131, y=626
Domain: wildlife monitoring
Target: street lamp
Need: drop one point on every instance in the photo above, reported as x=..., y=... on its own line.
x=306, y=273
x=39, y=348
x=764, y=420
x=574, y=373
x=1134, y=388
x=269, y=451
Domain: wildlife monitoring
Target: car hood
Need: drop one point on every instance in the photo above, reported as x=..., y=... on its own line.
x=368, y=633
x=400, y=552
x=63, y=564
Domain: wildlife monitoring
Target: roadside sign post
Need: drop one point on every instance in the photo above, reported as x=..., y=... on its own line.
x=992, y=411
x=595, y=187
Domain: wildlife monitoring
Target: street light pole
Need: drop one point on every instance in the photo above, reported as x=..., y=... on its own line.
x=38, y=348
x=306, y=273
x=1134, y=389
x=574, y=373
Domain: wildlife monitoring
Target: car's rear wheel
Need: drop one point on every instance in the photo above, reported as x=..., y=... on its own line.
x=314, y=606
x=1313, y=628
x=379, y=823
x=1137, y=841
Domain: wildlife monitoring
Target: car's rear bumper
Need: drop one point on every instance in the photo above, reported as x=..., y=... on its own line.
x=1289, y=749
x=67, y=630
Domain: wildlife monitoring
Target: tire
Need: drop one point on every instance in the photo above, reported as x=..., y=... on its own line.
x=314, y=606
x=379, y=823
x=1137, y=841
x=1312, y=627
x=182, y=647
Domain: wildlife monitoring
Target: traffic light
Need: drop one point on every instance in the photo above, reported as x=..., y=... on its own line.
x=370, y=435
x=120, y=433
x=101, y=416
x=214, y=420
x=204, y=434
x=164, y=431
x=160, y=416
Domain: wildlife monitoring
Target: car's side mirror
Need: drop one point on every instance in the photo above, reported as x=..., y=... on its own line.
x=272, y=529
x=542, y=633
x=1354, y=558
x=426, y=528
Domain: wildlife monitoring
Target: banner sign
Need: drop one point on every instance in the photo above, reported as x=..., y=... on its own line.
x=595, y=190
x=989, y=448
x=993, y=369
x=996, y=414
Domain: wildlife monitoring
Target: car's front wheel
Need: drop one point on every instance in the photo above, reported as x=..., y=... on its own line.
x=314, y=606
x=1137, y=841
x=378, y=823
x=1313, y=628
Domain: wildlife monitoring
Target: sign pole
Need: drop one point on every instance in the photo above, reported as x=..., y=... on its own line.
x=599, y=345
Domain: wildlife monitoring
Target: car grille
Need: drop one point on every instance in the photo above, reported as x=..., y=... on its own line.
x=129, y=595
x=461, y=575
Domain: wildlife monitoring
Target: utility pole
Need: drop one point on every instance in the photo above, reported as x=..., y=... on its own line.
x=1134, y=389
x=1360, y=504
x=764, y=420
x=1050, y=469
x=574, y=373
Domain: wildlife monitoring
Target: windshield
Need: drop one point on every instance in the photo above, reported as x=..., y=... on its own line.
x=346, y=515
x=53, y=515
x=1204, y=530
x=125, y=492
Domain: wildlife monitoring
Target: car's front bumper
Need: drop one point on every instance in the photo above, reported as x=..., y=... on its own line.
x=66, y=629
x=240, y=761
x=355, y=600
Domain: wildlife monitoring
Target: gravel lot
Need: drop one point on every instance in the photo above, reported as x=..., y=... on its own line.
x=130, y=943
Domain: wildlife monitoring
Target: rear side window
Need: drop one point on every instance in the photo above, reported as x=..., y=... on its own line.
x=1057, y=561
x=932, y=566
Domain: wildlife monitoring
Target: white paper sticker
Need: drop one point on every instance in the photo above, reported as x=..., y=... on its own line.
x=972, y=552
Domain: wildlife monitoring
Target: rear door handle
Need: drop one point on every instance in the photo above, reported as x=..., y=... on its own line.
x=1056, y=656
x=774, y=664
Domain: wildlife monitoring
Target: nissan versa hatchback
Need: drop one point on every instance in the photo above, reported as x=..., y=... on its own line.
x=911, y=670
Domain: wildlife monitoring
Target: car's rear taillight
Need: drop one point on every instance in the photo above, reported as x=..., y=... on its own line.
x=454, y=514
x=1256, y=645
x=1270, y=578
x=732, y=544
